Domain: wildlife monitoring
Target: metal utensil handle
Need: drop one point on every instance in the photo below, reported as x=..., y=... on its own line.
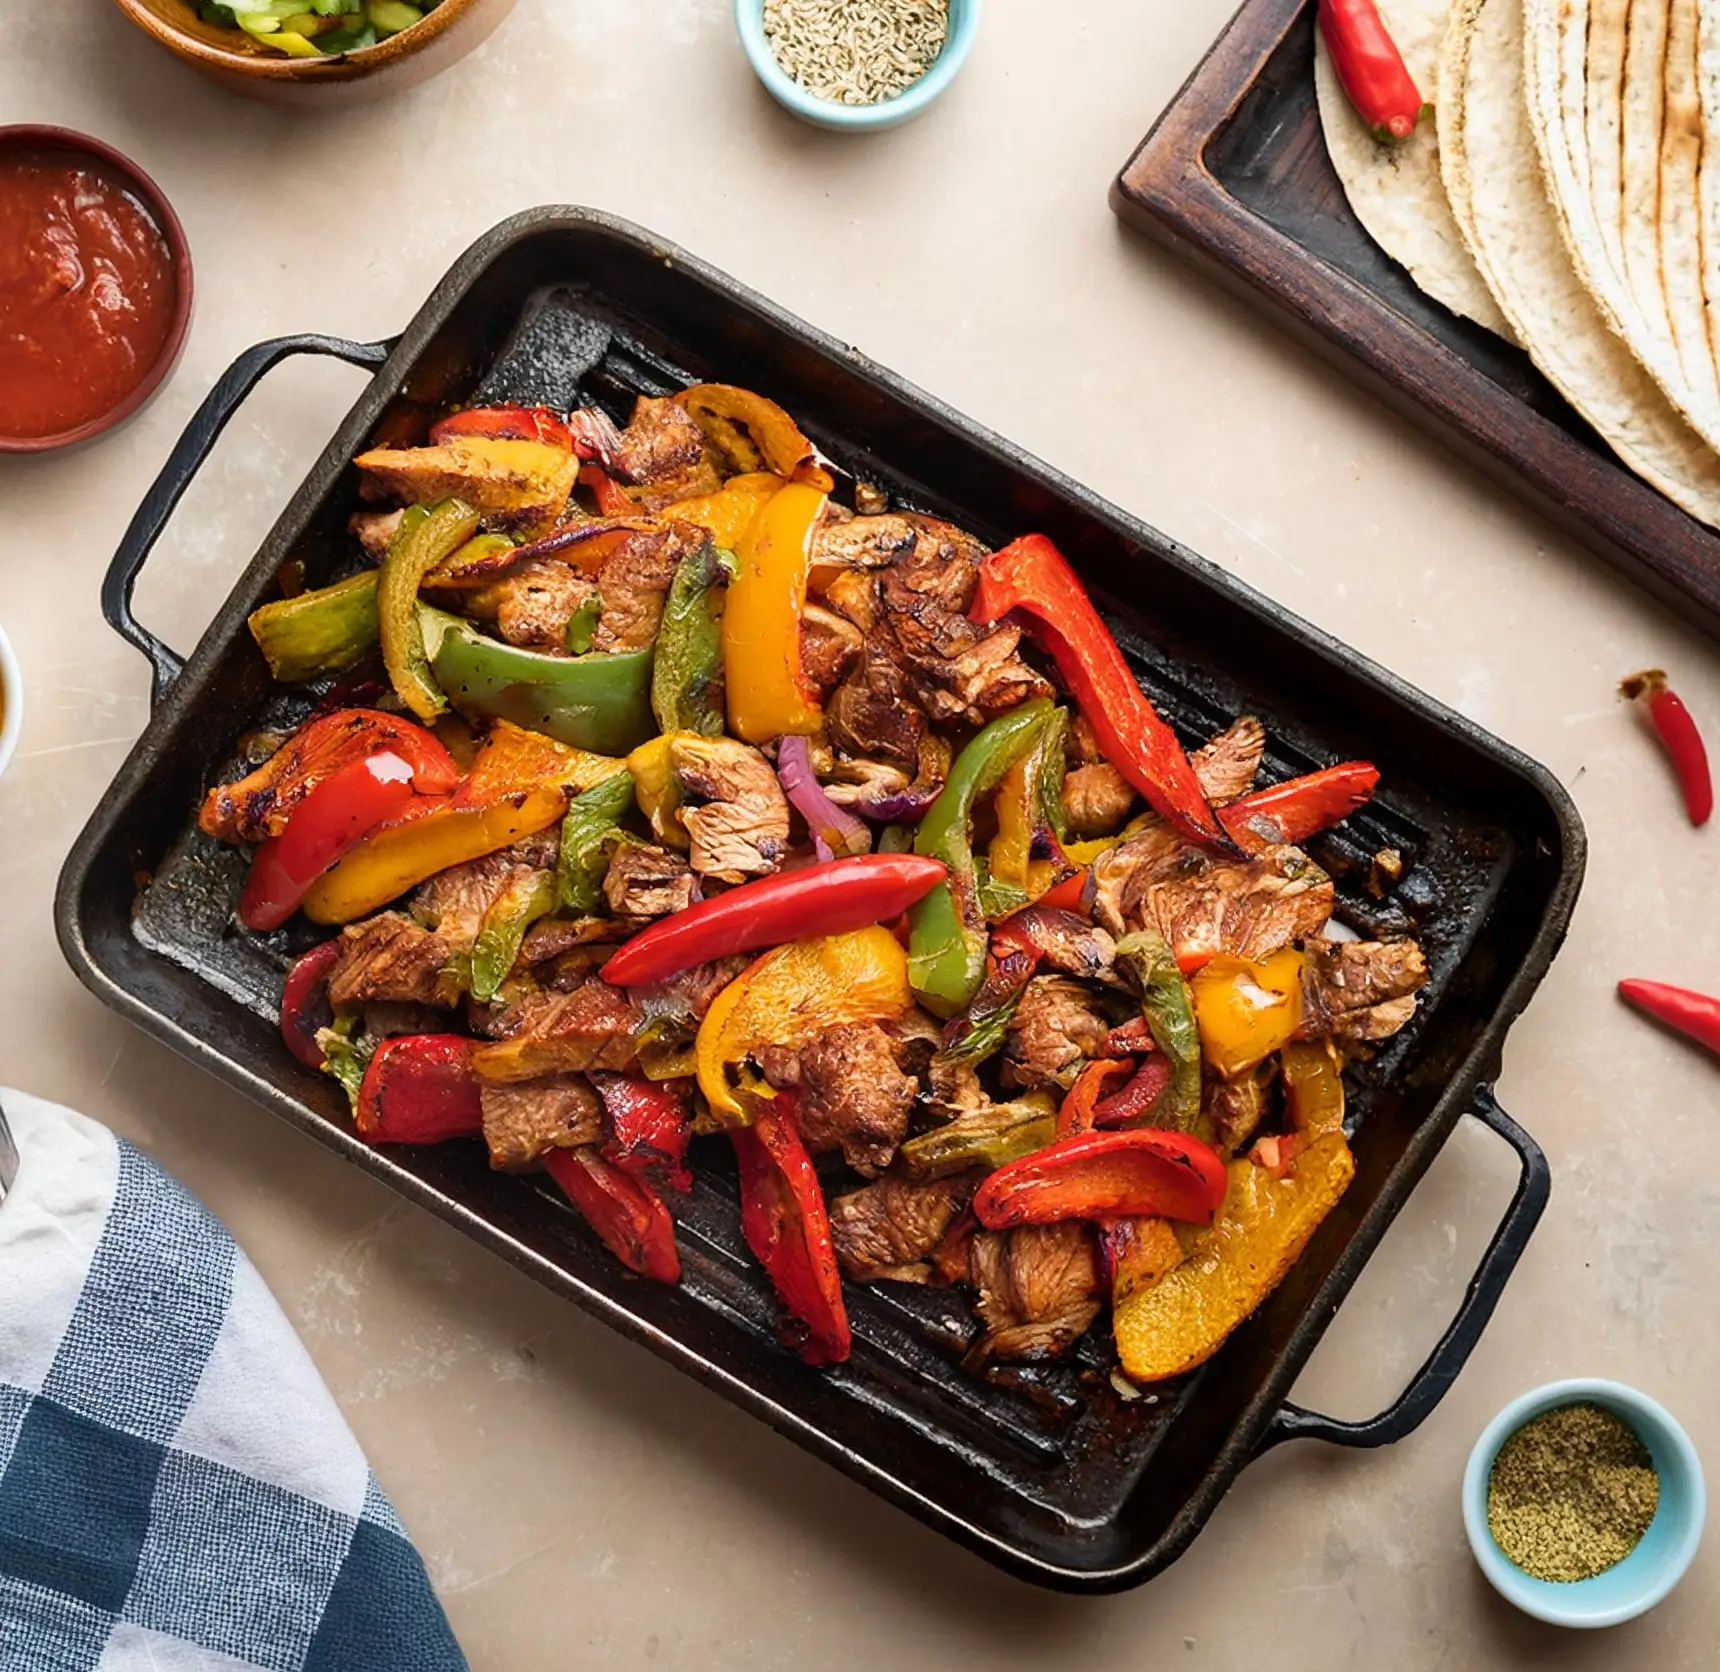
x=183, y=463
x=1445, y=1363
x=8, y=1157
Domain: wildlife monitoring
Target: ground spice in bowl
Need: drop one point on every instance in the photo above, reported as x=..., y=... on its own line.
x=1571, y=1493
x=856, y=52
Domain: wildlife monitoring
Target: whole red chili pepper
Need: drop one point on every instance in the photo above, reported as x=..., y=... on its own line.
x=650, y=1122
x=628, y=1215
x=1293, y=811
x=420, y=1089
x=1371, y=69
x=506, y=423
x=788, y=1229
x=305, y=1009
x=1030, y=575
x=828, y=899
x=1679, y=737
x=1695, y=1015
x=1105, y=1175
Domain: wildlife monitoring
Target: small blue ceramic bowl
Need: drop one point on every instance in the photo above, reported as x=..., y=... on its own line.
x=825, y=113
x=1650, y=1571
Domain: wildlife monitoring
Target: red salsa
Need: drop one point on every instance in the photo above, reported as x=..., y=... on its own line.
x=87, y=292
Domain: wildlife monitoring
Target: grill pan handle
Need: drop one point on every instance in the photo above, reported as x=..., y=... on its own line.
x=186, y=459
x=1445, y=1363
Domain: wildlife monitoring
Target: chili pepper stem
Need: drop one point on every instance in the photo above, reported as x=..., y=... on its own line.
x=1676, y=728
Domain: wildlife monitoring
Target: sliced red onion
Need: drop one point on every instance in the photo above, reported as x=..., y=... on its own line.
x=833, y=830
x=903, y=807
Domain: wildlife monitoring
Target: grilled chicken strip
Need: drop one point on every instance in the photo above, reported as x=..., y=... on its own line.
x=645, y=881
x=1096, y=799
x=854, y=1096
x=1360, y=991
x=736, y=813
x=1057, y=1026
x=664, y=450
x=391, y=957
x=889, y=1229
x=634, y=581
x=1038, y=1290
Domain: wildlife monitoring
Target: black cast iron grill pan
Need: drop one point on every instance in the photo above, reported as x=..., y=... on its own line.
x=1048, y=1471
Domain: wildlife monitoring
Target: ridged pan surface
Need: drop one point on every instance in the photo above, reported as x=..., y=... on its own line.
x=1047, y=1470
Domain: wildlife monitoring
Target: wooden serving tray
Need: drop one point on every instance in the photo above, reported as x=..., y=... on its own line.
x=1235, y=177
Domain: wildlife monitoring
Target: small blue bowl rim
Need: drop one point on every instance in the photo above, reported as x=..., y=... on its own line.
x=1675, y=1457
x=887, y=113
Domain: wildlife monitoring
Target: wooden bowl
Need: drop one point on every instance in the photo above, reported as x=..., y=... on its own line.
x=232, y=58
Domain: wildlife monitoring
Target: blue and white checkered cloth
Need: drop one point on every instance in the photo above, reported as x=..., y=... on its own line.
x=178, y=1491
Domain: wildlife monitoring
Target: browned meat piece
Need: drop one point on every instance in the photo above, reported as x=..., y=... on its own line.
x=1082, y=748
x=521, y=485
x=875, y=542
x=522, y=1122
x=1226, y=767
x=1096, y=799
x=736, y=813
x=1058, y=1026
x=1234, y=1108
x=1038, y=1290
x=375, y=529
x=393, y=1019
x=549, y=937
x=917, y=1037
x=955, y=1088
x=670, y=1011
x=830, y=646
x=1203, y=907
x=634, y=581
x=454, y=901
x=661, y=444
x=873, y=714
x=390, y=957
x=888, y=1230
x=1360, y=990
x=645, y=881
x=1066, y=942
x=536, y=602
x=853, y=1097
x=594, y=1026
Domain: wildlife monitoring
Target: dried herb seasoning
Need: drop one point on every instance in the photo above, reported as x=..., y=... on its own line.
x=1571, y=1493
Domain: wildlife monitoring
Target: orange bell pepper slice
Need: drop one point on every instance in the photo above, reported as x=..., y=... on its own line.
x=727, y=514
x=767, y=693
x=753, y=434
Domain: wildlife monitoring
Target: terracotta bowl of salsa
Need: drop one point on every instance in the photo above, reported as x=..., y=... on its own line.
x=95, y=288
x=448, y=30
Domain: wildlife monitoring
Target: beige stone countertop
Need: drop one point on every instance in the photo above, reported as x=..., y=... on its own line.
x=579, y=1503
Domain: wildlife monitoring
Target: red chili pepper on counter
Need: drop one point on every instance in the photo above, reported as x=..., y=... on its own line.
x=1679, y=737
x=787, y=1228
x=1105, y=1175
x=1030, y=575
x=1293, y=811
x=628, y=1216
x=828, y=899
x=650, y=1123
x=1371, y=69
x=420, y=1089
x=1695, y=1015
x=506, y=423
x=305, y=1010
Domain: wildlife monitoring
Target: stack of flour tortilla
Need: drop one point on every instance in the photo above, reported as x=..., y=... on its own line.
x=1567, y=196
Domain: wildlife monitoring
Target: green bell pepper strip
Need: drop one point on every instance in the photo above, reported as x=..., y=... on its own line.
x=424, y=540
x=346, y=1055
x=687, y=681
x=1168, y=1007
x=582, y=625
x=514, y=911
x=601, y=703
x=1047, y=770
x=988, y=1137
x=947, y=940
x=325, y=631
x=592, y=822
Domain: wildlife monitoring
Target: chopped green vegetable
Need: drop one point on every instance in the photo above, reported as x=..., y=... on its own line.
x=593, y=820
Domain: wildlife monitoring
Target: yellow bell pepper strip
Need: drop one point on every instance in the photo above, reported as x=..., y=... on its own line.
x=320, y=632
x=789, y=997
x=1245, y=1010
x=599, y=702
x=425, y=539
x=1170, y=1017
x=947, y=943
x=1166, y=1328
x=727, y=514
x=766, y=691
x=687, y=675
x=752, y=433
x=659, y=790
x=514, y=911
x=989, y=1137
x=1029, y=801
x=1136, y=1253
x=519, y=784
x=1313, y=1088
x=592, y=823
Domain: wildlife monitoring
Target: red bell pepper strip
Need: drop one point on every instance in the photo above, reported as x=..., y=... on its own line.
x=650, y=1123
x=1068, y=895
x=1031, y=576
x=1678, y=736
x=1105, y=1175
x=627, y=1214
x=828, y=899
x=1135, y=1101
x=611, y=497
x=1293, y=811
x=506, y=423
x=420, y=1089
x=787, y=1228
x=328, y=824
x=1075, y=1114
x=1371, y=69
x=305, y=1009
x=1695, y=1015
